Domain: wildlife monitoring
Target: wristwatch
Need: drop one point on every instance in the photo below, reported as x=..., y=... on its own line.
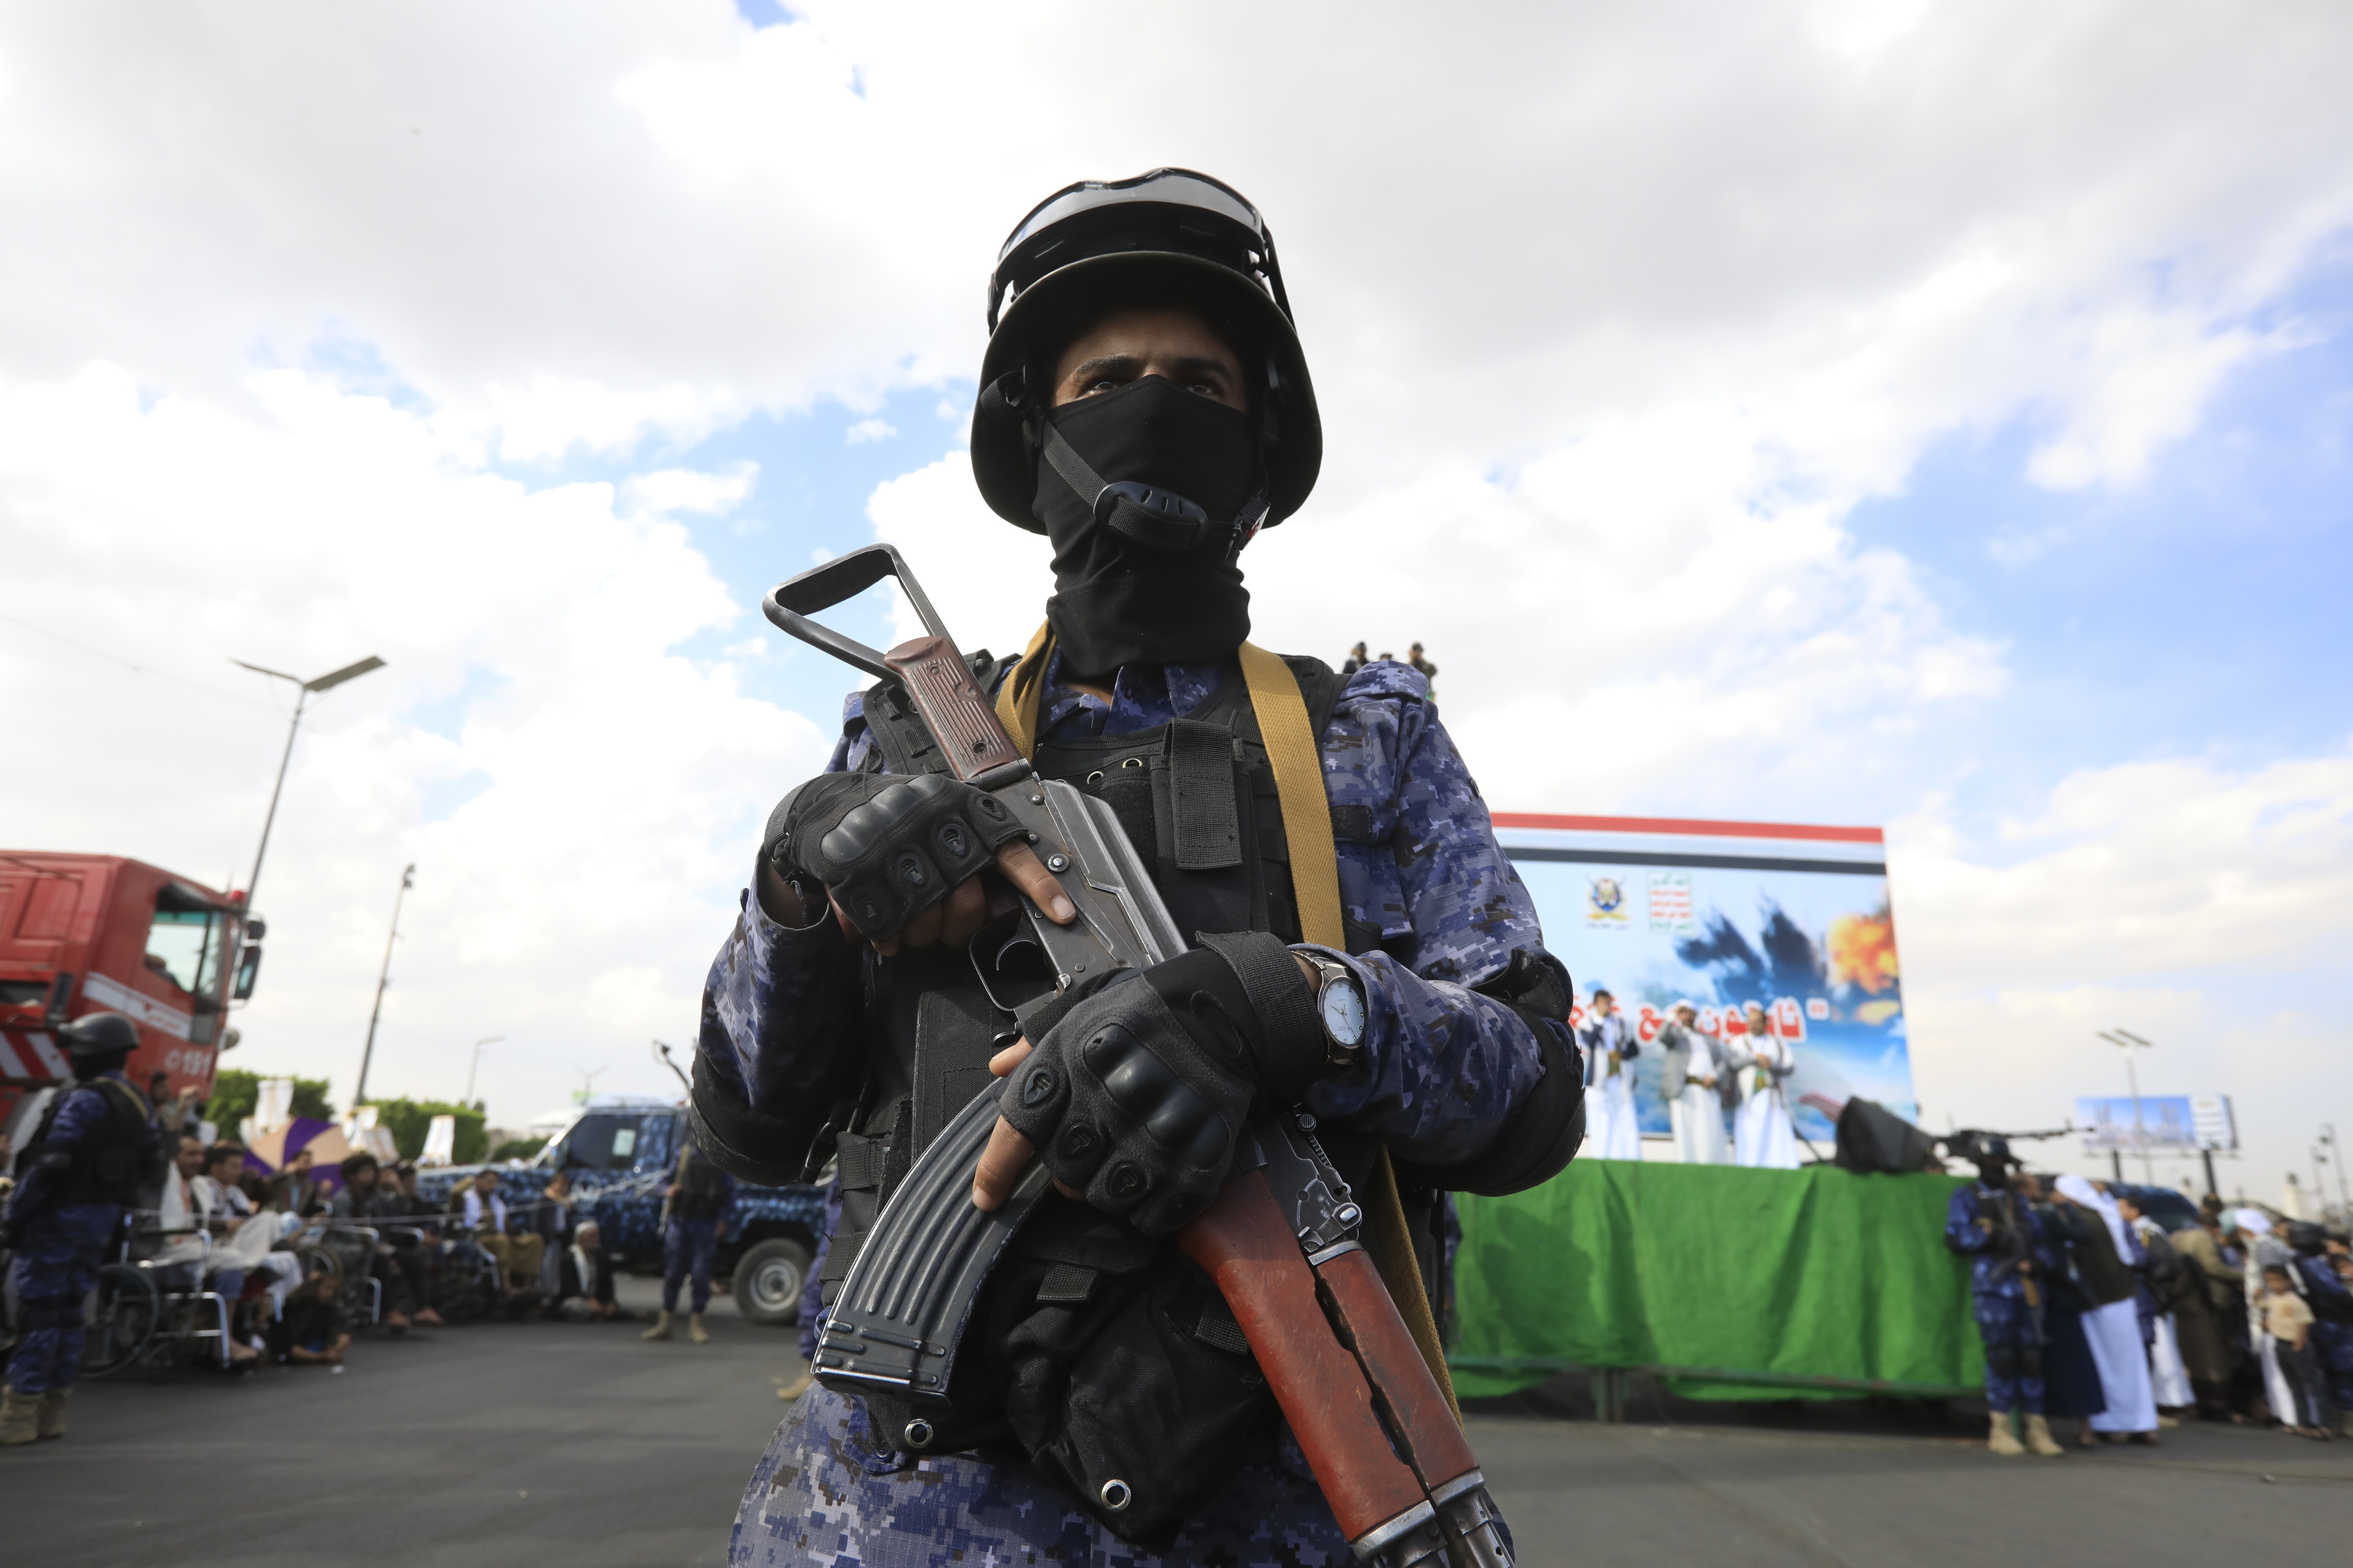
x=1340, y=1008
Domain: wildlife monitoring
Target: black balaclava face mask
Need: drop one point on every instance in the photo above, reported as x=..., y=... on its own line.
x=1117, y=602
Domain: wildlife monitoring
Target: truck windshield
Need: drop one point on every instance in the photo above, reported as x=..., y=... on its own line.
x=601, y=1140
x=184, y=944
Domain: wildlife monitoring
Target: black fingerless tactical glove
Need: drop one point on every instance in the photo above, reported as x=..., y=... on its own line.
x=1136, y=1091
x=888, y=848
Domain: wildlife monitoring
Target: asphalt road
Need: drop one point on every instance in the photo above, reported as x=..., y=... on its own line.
x=582, y=1446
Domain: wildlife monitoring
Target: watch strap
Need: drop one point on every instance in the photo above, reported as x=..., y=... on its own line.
x=1279, y=993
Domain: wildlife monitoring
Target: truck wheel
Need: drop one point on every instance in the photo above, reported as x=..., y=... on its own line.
x=769, y=1280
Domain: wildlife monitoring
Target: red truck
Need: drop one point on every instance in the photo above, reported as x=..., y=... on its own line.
x=82, y=933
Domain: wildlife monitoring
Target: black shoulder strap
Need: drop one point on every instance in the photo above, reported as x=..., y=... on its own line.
x=1320, y=687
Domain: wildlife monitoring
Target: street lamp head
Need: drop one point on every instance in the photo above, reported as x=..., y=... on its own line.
x=337, y=676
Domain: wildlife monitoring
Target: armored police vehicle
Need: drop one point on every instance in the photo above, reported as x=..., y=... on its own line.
x=619, y=1155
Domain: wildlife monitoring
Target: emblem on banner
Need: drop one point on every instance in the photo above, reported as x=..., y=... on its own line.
x=1605, y=901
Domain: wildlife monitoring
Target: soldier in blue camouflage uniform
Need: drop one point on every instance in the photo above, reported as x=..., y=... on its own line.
x=1434, y=909
x=83, y=1167
x=1997, y=1231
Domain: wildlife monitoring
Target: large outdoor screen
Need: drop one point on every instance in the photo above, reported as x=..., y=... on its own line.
x=1720, y=914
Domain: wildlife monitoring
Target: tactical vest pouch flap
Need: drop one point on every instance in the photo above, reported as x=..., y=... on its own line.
x=1127, y=1388
x=1201, y=778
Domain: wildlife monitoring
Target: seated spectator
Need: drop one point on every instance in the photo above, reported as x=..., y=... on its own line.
x=413, y=1226
x=400, y=1270
x=484, y=1214
x=295, y=1192
x=310, y=1333
x=251, y=1234
x=584, y=1291
x=188, y=1257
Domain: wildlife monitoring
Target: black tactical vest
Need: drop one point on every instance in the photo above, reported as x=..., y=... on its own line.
x=118, y=1156
x=1094, y=1350
x=1198, y=799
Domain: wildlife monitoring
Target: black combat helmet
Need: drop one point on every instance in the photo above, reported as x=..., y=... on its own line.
x=95, y=1035
x=1170, y=237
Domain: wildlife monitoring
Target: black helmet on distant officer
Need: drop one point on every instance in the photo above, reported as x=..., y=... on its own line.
x=1145, y=405
x=98, y=1042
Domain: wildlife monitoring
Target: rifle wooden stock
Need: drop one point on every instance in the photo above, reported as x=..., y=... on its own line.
x=1244, y=1244
x=1367, y=1321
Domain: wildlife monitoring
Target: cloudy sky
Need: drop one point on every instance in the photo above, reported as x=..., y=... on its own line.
x=1869, y=411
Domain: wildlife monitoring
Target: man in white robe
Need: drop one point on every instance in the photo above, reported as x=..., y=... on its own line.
x=1611, y=1047
x=1690, y=1068
x=1764, y=1136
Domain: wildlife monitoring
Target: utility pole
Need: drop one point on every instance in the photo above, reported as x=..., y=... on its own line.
x=383, y=978
x=2336, y=1158
x=303, y=691
x=492, y=1040
x=2128, y=1042
x=588, y=1083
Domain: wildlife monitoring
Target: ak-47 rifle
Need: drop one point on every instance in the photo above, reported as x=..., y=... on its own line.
x=1279, y=1240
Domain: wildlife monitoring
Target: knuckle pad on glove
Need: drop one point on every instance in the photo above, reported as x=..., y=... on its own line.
x=891, y=847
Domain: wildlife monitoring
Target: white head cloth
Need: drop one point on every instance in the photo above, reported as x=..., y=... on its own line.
x=2252, y=1221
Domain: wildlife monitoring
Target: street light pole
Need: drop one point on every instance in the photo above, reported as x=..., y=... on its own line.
x=383, y=978
x=2126, y=1041
x=303, y=691
x=2336, y=1158
x=490, y=1041
x=588, y=1083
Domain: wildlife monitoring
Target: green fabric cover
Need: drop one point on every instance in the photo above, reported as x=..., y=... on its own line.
x=1729, y=1283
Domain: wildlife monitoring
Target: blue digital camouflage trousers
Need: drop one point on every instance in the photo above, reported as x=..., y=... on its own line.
x=2013, y=1351
x=686, y=1245
x=821, y=1497
x=59, y=1254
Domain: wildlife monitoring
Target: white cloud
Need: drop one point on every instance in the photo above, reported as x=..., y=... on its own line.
x=572, y=904
x=865, y=430
x=2206, y=908
x=1615, y=312
x=688, y=490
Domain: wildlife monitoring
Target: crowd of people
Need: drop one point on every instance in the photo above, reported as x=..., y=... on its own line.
x=246, y=1264
x=298, y=1256
x=1724, y=1092
x=2090, y=1310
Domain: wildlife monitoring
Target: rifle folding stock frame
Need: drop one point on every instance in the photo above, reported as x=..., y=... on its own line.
x=1279, y=1241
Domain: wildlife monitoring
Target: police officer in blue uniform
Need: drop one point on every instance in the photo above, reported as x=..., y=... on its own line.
x=1999, y=1232
x=1145, y=405
x=85, y=1164
x=698, y=1204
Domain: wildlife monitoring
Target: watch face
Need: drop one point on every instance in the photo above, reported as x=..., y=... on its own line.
x=1343, y=1007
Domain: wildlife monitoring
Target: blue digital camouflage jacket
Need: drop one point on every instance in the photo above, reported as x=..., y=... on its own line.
x=1443, y=1065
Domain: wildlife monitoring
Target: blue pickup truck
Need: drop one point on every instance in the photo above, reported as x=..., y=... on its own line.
x=620, y=1154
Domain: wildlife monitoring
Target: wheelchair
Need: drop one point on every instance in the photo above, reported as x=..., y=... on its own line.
x=347, y=1252
x=157, y=1314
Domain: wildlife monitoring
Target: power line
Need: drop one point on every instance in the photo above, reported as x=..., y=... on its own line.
x=132, y=665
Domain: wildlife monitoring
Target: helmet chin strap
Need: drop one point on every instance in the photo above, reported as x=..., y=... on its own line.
x=1156, y=518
